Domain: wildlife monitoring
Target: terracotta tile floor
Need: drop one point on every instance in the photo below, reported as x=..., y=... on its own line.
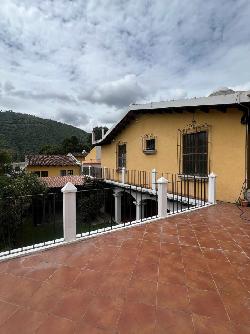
x=185, y=274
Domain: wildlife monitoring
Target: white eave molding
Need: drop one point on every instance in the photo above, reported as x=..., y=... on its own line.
x=226, y=99
x=238, y=97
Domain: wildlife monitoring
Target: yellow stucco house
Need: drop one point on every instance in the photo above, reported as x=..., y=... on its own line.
x=186, y=137
x=93, y=158
x=52, y=165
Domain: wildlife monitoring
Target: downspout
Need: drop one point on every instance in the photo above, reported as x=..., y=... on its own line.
x=245, y=120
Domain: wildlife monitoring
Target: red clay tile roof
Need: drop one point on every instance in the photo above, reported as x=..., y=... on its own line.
x=60, y=181
x=50, y=160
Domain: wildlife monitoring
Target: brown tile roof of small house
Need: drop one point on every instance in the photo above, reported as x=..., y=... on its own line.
x=50, y=160
x=60, y=181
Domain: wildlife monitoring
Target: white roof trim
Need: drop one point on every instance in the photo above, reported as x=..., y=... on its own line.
x=237, y=97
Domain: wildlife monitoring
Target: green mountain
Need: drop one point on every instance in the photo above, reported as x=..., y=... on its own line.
x=23, y=134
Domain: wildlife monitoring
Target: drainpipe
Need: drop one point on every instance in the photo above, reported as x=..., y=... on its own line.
x=247, y=115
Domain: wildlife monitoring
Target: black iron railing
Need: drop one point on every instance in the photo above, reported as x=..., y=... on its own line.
x=30, y=221
x=184, y=191
x=100, y=210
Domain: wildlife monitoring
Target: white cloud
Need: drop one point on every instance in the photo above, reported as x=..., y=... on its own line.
x=119, y=93
x=92, y=58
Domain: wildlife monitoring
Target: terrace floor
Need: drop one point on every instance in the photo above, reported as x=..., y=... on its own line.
x=185, y=274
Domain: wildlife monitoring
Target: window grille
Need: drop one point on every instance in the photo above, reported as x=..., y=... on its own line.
x=193, y=149
x=121, y=155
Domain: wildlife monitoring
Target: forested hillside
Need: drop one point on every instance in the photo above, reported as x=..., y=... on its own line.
x=23, y=134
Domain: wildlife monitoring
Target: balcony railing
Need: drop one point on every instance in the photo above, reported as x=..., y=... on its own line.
x=184, y=186
x=31, y=222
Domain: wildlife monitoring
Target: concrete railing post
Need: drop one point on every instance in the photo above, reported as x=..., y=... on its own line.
x=140, y=210
x=123, y=175
x=212, y=188
x=69, y=211
x=118, y=207
x=89, y=170
x=162, y=197
x=153, y=179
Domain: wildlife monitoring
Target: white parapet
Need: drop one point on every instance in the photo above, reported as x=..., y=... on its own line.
x=123, y=175
x=162, y=197
x=69, y=211
x=212, y=188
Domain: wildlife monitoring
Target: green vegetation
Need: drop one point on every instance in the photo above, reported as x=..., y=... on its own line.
x=71, y=145
x=5, y=160
x=19, y=195
x=24, y=134
x=30, y=214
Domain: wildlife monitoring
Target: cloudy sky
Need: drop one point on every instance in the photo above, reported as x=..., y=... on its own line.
x=84, y=61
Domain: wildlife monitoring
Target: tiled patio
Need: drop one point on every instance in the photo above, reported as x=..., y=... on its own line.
x=187, y=274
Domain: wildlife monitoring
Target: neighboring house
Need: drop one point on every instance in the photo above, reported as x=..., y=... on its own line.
x=79, y=156
x=52, y=165
x=188, y=137
x=93, y=158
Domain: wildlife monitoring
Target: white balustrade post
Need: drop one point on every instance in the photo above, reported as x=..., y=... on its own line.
x=89, y=170
x=140, y=207
x=123, y=175
x=69, y=211
x=118, y=207
x=162, y=197
x=212, y=188
x=153, y=179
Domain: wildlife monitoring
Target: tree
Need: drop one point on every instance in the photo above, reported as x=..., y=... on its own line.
x=5, y=160
x=17, y=195
x=90, y=206
x=50, y=149
x=68, y=145
x=18, y=185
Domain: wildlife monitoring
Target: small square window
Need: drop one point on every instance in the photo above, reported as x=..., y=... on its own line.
x=44, y=173
x=150, y=144
x=63, y=172
x=70, y=172
x=38, y=173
